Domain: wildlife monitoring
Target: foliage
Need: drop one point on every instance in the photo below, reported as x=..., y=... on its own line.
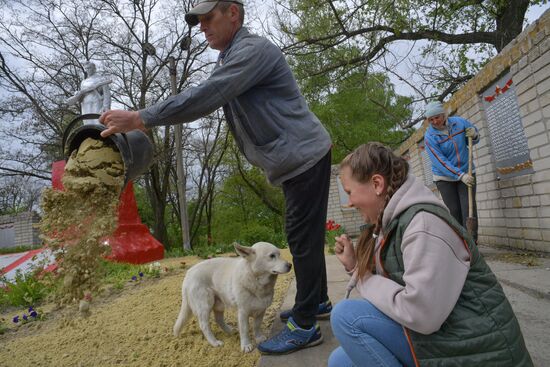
x=208, y=251
x=3, y=326
x=332, y=230
x=362, y=109
x=16, y=249
x=29, y=316
x=35, y=287
x=247, y=207
x=433, y=46
x=18, y=194
x=26, y=289
x=117, y=274
x=260, y=233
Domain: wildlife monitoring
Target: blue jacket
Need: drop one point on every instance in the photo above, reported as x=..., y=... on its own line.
x=264, y=108
x=449, y=152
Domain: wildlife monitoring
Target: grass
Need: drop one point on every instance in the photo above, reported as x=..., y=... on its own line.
x=35, y=287
x=3, y=326
x=117, y=274
x=523, y=258
x=202, y=251
x=32, y=288
x=16, y=249
x=26, y=289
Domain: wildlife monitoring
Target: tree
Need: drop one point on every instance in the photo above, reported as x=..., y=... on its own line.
x=328, y=38
x=246, y=205
x=18, y=194
x=208, y=149
x=43, y=46
x=360, y=110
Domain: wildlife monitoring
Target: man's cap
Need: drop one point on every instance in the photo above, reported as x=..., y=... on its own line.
x=433, y=109
x=204, y=7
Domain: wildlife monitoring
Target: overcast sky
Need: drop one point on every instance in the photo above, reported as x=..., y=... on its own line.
x=259, y=10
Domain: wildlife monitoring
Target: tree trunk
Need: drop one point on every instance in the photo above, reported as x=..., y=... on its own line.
x=510, y=22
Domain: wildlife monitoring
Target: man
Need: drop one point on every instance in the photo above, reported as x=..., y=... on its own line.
x=276, y=131
x=94, y=94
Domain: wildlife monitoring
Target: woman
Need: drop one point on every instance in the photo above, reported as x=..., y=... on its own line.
x=428, y=297
x=446, y=142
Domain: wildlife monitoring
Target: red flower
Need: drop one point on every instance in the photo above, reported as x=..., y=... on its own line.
x=331, y=225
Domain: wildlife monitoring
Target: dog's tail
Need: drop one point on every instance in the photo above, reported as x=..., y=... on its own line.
x=183, y=316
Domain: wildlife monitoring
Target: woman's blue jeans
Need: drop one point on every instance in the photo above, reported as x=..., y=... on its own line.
x=367, y=337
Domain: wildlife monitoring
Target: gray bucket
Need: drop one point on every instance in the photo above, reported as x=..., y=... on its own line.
x=135, y=147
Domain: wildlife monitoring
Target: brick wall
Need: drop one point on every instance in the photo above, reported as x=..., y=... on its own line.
x=514, y=211
x=7, y=231
x=349, y=218
x=20, y=230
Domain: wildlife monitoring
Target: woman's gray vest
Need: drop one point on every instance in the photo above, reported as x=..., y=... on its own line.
x=482, y=329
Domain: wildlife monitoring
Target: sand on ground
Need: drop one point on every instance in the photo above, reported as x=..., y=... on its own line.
x=132, y=327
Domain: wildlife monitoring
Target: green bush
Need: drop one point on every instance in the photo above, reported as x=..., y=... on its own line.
x=16, y=249
x=25, y=290
x=260, y=233
x=116, y=273
x=176, y=252
x=213, y=250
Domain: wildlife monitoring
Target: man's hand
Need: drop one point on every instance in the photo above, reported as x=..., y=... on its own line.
x=120, y=121
x=468, y=179
x=470, y=132
x=343, y=248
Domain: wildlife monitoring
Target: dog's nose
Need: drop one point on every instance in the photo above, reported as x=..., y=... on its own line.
x=289, y=266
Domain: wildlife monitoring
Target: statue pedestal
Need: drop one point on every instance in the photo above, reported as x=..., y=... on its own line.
x=131, y=242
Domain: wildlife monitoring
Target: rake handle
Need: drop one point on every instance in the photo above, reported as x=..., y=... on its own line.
x=470, y=188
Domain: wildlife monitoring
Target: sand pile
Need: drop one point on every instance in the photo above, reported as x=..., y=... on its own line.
x=76, y=220
x=132, y=329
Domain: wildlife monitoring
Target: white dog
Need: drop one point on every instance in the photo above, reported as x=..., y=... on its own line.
x=246, y=283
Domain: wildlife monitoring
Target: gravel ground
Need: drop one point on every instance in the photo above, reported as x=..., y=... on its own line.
x=132, y=327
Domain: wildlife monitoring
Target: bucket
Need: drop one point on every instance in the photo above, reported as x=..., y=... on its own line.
x=135, y=147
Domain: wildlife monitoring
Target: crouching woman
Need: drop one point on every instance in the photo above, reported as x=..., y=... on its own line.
x=428, y=297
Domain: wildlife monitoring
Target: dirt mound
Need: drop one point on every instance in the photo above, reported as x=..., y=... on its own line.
x=75, y=220
x=132, y=328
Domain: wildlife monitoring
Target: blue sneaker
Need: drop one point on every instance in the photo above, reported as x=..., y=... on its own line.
x=323, y=312
x=291, y=339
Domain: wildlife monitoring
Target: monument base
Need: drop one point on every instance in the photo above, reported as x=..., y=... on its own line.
x=131, y=242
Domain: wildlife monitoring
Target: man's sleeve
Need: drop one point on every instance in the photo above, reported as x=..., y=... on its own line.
x=245, y=68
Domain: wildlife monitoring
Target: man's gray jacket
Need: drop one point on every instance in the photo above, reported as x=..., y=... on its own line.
x=266, y=112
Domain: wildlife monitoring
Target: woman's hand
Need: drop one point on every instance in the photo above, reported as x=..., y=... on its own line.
x=343, y=248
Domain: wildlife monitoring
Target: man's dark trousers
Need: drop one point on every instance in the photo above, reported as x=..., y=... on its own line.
x=306, y=197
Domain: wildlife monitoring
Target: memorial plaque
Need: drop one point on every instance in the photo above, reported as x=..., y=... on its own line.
x=508, y=140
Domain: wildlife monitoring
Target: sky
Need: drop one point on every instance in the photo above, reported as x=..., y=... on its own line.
x=260, y=9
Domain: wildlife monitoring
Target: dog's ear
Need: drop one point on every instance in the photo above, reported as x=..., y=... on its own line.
x=243, y=251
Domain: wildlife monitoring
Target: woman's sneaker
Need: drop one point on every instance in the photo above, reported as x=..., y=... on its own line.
x=323, y=312
x=291, y=339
